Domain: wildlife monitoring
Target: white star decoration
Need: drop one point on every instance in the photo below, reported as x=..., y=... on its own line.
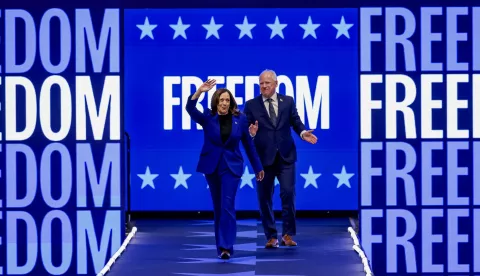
x=342, y=28
x=247, y=178
x=146, y=29
x=245, y=28
x=212, y=28
x=309, y=28
x=147, y=178
x=310, y=178
x=180, y=28
x=180, y=178
x=343, y=178
x=208, y=187
x=277, y=28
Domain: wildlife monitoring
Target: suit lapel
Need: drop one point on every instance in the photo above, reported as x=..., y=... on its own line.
x=262, y=106
x=234, y=128
x=280, y=107
x=218, y=135
x=264, y=109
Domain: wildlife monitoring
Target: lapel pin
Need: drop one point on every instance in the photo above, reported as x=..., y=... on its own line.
x=281, y=100
x=235, y=122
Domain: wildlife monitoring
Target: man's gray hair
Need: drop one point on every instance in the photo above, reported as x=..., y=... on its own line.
x=274, y=75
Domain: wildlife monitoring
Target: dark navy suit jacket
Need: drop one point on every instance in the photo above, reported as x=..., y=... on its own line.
x=213, y=146
x=270, y=139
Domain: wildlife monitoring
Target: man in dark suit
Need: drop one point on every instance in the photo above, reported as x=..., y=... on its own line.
x=270, y=116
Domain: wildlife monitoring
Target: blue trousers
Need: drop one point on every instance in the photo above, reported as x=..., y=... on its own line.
x=285, y=172
x=223, y=185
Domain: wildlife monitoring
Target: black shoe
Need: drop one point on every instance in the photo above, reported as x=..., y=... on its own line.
x=225, y=255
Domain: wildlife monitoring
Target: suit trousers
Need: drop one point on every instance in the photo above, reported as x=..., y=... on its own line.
x=285, y=172
x=223, y=185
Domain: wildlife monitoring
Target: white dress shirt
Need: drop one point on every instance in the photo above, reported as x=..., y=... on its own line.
x=274, y=98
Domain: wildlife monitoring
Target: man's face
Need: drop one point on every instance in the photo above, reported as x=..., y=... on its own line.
x=268, y=85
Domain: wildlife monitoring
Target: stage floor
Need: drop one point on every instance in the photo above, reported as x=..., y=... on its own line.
x=173, y=247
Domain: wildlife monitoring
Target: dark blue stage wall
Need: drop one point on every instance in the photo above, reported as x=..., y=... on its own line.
x=61, y=133
x=391, y=93
x=169, y=53
x=420, y=152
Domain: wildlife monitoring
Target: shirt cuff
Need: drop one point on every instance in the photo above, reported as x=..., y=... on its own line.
x=301, y=134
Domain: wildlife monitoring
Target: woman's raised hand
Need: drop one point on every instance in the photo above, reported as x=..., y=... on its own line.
x=209, y=84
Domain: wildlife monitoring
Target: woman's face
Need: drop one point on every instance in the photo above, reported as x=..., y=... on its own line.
x=223, y=103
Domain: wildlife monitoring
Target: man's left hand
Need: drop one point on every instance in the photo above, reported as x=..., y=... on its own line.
x=253, y=128
x=310, y=137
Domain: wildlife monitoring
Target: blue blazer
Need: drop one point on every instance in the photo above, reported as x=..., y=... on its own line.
x=213, y=146
x=269, y=139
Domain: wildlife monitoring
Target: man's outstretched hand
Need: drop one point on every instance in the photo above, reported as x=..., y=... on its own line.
x=310, y=137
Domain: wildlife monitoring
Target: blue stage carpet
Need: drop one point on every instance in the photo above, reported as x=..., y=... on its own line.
x=166, y=247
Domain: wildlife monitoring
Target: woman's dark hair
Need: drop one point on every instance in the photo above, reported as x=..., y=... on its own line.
x=233, y=109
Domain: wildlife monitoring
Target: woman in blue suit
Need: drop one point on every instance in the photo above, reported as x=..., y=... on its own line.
x=221, y=160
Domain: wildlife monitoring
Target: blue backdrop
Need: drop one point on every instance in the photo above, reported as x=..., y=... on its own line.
x=168, y=53
x=436, y=214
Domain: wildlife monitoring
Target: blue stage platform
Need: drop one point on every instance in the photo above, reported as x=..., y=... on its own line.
x=186, y=247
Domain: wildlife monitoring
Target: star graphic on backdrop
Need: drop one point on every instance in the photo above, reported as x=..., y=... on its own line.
x=309, y=28
x=146, y=29
x=212, y=28
x=248, y=222
x=343, y=178
x=180, y=28
x=180, y=178
x=208, y=187
x=250, y=247
x=277, y=28
x=147, y=178
x=245, y=28
x=241, y=234
x=250, y=260
x=247, y=178
x=244, y=273
x=342, y=28
x=310, y=178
